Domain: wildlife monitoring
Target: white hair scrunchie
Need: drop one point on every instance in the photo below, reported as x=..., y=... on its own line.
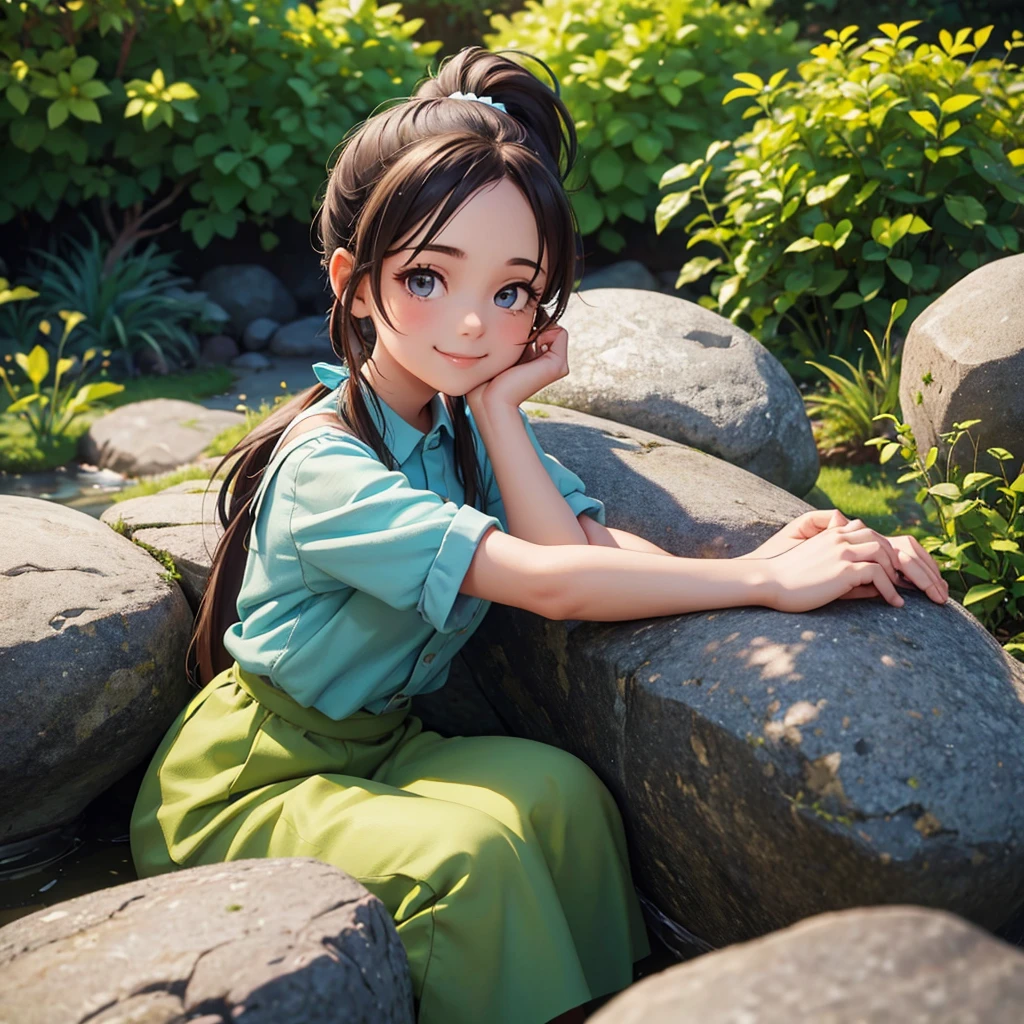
x=479, y=99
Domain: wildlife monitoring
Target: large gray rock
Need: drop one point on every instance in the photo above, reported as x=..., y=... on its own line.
x=624, y=274
x=306, y=337
x=771, y=766
x=683, y=372
x=883, y=965
x=153, y=436
x=272, y=941
x=258, y=333
x=92, y=643
x=964, y=359
x=248, y=291
x=181, y=521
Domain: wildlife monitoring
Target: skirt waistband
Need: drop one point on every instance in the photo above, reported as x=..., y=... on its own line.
x=361, y=725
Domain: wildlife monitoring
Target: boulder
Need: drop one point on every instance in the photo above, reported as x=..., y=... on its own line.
x=306, y=337
x=680, y=371
x=963, y=359
x=251, y=361
x=153, y=436
x=92, y=644
x=886, y=965
x=624, y=274
x=218, y=350
x=180, y=522
x=770, y=766
x=271, y=941
x=247, y=291
x=258, y=334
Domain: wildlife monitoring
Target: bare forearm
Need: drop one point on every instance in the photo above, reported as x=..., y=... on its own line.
x=534, y=508
x=607, y=584
x=608, y=537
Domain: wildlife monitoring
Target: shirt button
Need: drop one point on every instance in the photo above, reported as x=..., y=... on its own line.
x=428, y=658
x=433, y=443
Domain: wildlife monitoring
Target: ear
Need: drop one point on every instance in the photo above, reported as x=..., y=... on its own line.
x=340, y=269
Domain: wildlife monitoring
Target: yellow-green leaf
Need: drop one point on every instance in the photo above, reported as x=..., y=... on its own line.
x=926, y=119
x=738, y=93
x=981, y=592
x=38, y=365
x=981, y=36
x=954, y=104
x=748, y=78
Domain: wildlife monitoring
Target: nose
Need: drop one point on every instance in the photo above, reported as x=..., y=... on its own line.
x=472, y=325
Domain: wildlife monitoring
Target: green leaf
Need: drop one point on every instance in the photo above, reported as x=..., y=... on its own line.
x=954, y=104
x=965, y=209
x=945, y=490
x=18, y=98
x=85, y=110
x=889, y=451
x=866, y=192
x=752, y=80
x=608, y=169
x=847, y=301
x=981, y=592
x=274, y=156
x=669, y=207
x=56, y=114
x=903, y=269
x=647, y=147
x=821, y=193
x=802, y=245
x=697, y=268
x=926, y=119
x=589, y=212
x=226, y=162
x=37, y=365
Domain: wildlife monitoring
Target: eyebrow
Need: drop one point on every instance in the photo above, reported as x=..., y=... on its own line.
x=451, y=250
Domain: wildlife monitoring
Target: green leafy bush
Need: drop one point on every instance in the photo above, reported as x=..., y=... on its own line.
x=981, y=522
x=45, y=406
x=888, y=170
x=821, y=15
x=132, y=306
x=644, y=82
x=215, y=111
x=848, y=413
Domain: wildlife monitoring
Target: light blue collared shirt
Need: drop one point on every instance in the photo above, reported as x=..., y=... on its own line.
x=350, y=597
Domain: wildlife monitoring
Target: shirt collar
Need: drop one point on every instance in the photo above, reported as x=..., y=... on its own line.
x=400, y=437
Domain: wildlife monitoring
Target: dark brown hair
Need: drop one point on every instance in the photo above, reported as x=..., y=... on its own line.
x=425, y=155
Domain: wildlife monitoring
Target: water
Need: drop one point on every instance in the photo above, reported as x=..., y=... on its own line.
x=92, y=854
x=85, y=488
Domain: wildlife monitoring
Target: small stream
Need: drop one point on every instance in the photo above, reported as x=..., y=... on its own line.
x=82, y=487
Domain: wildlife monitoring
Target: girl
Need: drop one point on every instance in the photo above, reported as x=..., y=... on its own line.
x=373, y=519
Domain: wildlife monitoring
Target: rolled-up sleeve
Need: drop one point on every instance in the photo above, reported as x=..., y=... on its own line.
x=569, y=485
x=368, y=528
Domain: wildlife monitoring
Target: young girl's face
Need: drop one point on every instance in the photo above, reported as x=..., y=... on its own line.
x=463, y=309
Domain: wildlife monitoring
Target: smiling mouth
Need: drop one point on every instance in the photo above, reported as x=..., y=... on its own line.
x=460, y=358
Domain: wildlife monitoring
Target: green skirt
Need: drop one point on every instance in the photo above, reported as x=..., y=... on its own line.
x=502, y=860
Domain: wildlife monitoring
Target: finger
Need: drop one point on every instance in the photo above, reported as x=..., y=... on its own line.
x=874, y=573
x=855, y=526
x=817, y=520
x=928, y=561
x=918, y=575
x=874, y=551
